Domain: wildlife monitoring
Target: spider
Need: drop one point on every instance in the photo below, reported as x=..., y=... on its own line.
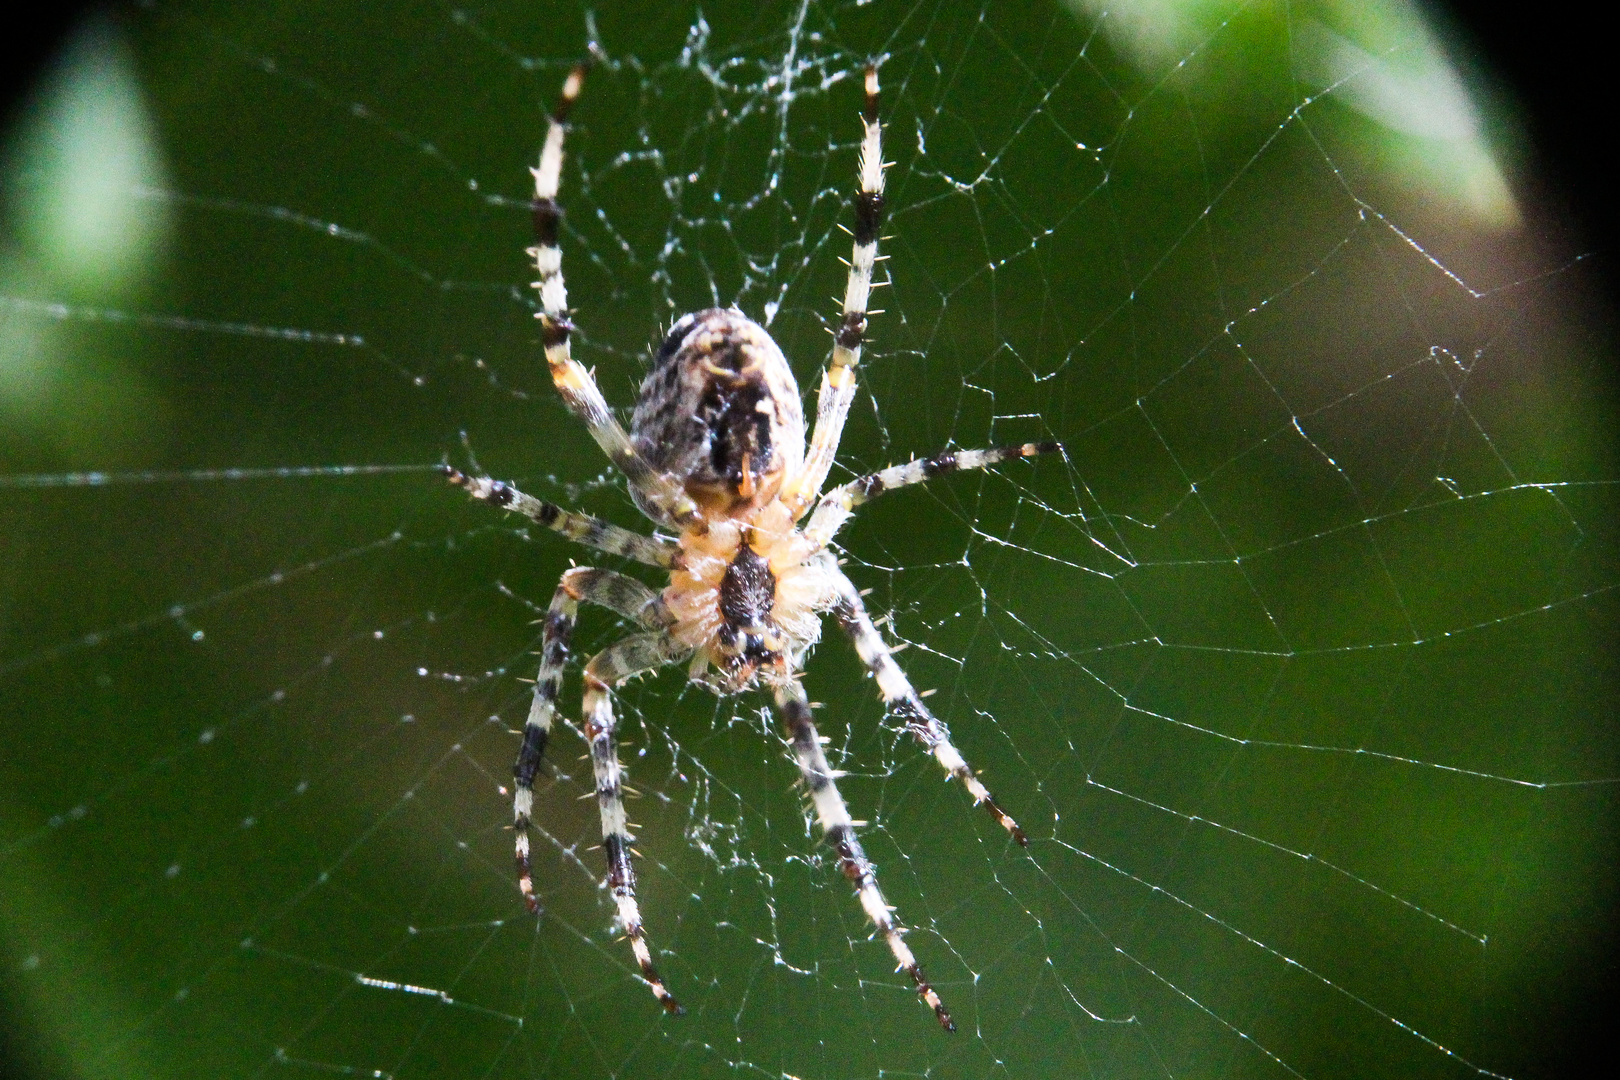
x=716, y=453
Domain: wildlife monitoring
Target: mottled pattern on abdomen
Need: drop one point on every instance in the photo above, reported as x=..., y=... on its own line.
x=720, y=411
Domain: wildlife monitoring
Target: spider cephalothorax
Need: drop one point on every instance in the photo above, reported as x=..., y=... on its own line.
x=747, y=593
x=716, y=452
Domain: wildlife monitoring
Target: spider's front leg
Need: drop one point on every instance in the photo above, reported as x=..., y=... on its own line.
x=836, y=825
x=904, y=701
x=607, y=669
x=616, y=592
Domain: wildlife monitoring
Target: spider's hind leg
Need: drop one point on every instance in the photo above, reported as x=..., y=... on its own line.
x=577, y=388
x=904, y=701
x=838, y=381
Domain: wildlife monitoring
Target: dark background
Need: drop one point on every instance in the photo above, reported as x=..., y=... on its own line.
x=1561, y=79
x=1556, y=70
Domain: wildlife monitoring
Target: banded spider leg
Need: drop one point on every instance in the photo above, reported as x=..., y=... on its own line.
x=904, y=702
x=607, y=669
x=838, y=381
x=821, y=782
x=620, y=594
x=663, y=500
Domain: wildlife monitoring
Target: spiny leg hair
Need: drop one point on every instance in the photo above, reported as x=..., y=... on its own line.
x=839, y=829
x=904, y=702
x=838, y=381
x=838, y=505
x=616, y=592
x=632, y=656
x=579, y=391
x=580, y=528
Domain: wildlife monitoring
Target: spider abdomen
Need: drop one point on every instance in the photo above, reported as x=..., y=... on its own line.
x=720, y=413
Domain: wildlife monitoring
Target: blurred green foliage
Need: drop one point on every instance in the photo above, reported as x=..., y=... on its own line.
x=1293, y=669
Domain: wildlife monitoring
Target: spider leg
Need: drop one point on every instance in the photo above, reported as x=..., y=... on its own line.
x=607, y=669
x=580, y=528
x=903, y=701
x=616, y=592
x=836, y=507
x=838, y=381
x=836, y=825
x=578, y=390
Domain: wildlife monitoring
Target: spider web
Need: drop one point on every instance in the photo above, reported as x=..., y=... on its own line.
x=1291, y=666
